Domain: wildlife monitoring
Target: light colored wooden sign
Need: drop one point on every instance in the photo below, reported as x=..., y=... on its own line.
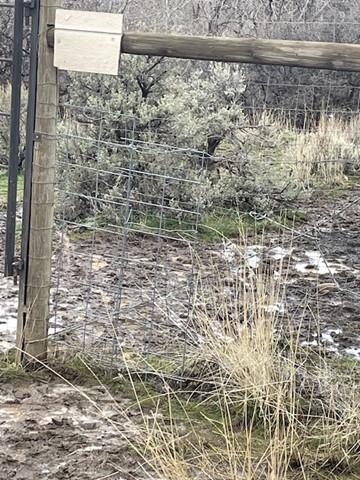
x=88, y=41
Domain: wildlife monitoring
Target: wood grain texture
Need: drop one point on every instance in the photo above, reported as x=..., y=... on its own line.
x=265, y=52
x=42, y=202
x=319, y=55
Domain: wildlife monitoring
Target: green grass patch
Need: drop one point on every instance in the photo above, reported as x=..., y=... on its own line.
x=9, y=370
x=211, y=227
x=79, y=234
x=219, y=224
x=346, y=366
x=4, y=188
x=145, y=390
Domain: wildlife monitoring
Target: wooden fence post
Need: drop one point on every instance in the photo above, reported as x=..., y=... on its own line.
x=34, y=318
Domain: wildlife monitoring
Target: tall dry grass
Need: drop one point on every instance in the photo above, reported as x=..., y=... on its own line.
x=281, y=412
x=327, y=153
x=252, y=404
x=322, y=153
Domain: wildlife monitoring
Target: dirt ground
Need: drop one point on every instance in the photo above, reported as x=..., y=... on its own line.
x=49, y=431
x=149, y=298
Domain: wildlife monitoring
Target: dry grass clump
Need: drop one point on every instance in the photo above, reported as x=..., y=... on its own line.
x=243, y=341
x=328, y=153
x=281, y=412
x=325, y=153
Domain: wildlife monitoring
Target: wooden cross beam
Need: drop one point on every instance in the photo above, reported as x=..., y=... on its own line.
x=318, y=55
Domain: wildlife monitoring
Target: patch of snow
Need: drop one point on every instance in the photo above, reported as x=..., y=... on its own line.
x=5, y=346
x=8, y=324
x=317, y=264
x=307, y=343
x=252, y=256
x=8, y=313
x=276, y=308
x=229, y=252
x=353, y=352
x=56, y=325
x=279, y=253
x=326, y=337
x=334, y=348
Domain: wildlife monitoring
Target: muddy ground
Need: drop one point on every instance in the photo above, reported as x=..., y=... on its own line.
x=51, y=431
x=140, y=296
x=149, y=291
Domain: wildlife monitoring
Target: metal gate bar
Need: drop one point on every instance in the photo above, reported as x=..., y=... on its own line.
x=14, y=137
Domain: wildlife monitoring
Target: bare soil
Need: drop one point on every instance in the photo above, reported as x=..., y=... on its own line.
x=161, y=282
x=49, y=431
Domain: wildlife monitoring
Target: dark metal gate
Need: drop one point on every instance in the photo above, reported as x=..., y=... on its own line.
x=26, y=24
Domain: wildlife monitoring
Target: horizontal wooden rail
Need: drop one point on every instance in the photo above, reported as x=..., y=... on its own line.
x=319, y=55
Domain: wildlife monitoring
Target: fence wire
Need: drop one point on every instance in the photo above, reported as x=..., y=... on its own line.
x=121, y=285
x=132, y=274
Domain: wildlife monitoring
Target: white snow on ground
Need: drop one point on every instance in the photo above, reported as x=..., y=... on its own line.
x=8, y=313
x=317, y=264
x=353, y=352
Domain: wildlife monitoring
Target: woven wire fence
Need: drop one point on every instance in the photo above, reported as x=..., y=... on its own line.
x=129, y=256
x=132, y=275
x=123, y=281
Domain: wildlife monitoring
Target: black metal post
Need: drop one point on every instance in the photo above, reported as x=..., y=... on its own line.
x=28, y=163
x=14, y=137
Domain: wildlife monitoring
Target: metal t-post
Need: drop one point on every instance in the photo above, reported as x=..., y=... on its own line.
x=16, y=79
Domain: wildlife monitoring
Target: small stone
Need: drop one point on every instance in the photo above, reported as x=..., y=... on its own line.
x=90, y=425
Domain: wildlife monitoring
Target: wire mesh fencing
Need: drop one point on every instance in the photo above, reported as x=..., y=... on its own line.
x=127, y=214
x=150, y=233
x=134, y=275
